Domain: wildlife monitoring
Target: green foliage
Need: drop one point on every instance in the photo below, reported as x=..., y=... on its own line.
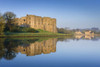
x=65, y=31
x=32, y=30
x=23, y=29
x=9, y=17
x=43, y=31
x=2, y=25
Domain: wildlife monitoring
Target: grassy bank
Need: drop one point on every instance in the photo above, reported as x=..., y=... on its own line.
x=41, y=33
x=32, y=34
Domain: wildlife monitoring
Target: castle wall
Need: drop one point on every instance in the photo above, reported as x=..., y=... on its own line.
x=37, y=22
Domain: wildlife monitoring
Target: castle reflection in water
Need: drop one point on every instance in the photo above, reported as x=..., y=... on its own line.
x=37, y=48
x=84, y=37
x=9, y=48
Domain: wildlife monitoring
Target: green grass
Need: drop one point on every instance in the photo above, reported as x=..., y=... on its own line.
x=41, y=33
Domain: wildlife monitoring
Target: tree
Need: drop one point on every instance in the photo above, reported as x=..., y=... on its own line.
x=2, y=25
x=65, y=30
x=9, y=17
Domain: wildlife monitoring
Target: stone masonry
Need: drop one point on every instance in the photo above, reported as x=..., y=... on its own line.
x=38, y=22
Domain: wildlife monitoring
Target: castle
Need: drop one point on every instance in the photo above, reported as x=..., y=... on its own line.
x=38, y=22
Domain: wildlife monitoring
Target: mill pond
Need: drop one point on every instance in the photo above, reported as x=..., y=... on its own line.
x=50, y=52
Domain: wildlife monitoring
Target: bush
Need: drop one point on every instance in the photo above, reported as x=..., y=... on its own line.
x=22, y=29
x=64, y=31
x=32, y=30
x=2, y=25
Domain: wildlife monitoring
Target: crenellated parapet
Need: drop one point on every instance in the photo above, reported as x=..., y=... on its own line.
x=38, y=22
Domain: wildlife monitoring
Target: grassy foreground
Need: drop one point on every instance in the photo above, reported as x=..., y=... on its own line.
x=41, y=33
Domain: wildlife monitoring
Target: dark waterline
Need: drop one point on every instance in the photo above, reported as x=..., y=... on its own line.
x=50, y=52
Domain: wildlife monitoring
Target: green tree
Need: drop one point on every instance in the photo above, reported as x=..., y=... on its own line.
x=2, y=25
x=65, y=31
x=9, y=17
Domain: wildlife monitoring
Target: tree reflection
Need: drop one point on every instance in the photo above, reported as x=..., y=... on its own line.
x=9, y=55
x=7, y=46
x=2, y=52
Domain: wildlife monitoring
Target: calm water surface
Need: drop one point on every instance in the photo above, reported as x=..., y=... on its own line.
x=52, y=52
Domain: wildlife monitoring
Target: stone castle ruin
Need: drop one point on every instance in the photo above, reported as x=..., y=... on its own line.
x=38, y=22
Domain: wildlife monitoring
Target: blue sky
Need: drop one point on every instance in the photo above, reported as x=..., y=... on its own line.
x=69, y=13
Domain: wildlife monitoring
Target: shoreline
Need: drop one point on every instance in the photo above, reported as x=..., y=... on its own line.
x=97, y=35
x=19, y=35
